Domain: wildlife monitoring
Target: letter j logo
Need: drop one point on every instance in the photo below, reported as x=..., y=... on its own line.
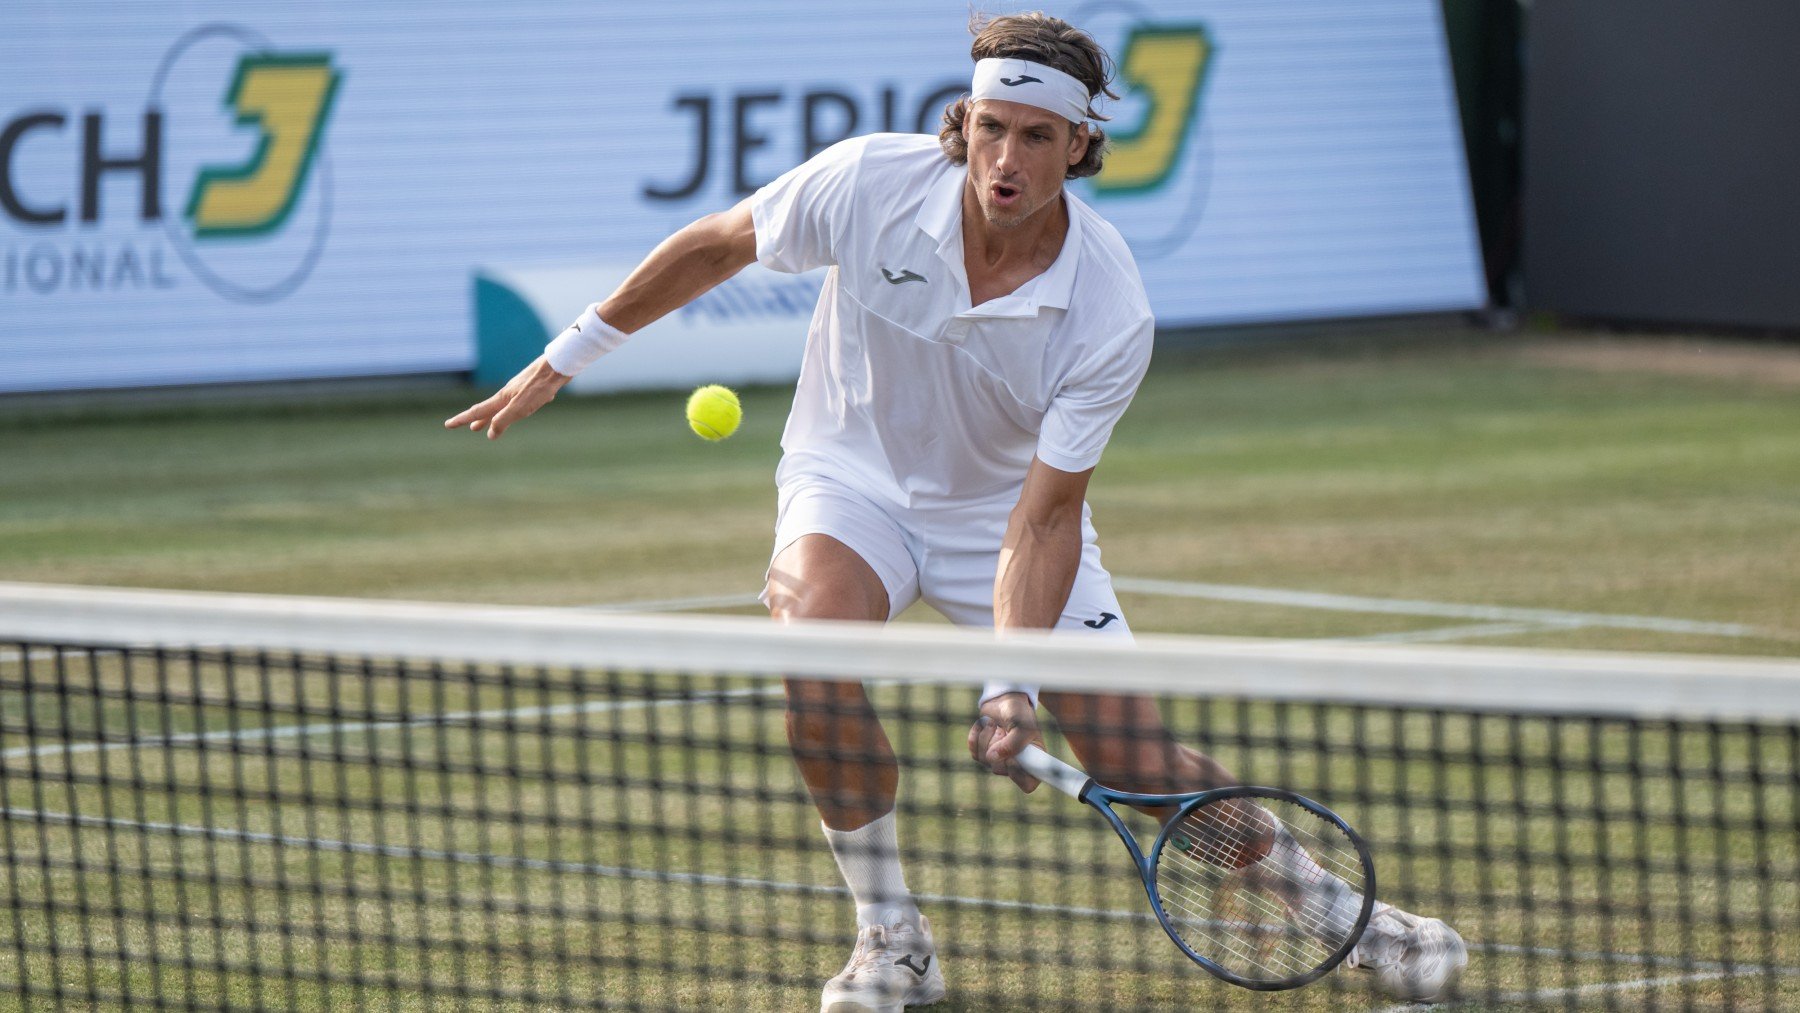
x=288, y=98
x=1166, y=65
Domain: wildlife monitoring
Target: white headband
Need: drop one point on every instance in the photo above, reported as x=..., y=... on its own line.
x=1033, y=84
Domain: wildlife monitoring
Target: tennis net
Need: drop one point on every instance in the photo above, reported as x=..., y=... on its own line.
x=236, y=802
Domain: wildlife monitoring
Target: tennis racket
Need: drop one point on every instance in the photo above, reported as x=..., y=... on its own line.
x=1264, y=888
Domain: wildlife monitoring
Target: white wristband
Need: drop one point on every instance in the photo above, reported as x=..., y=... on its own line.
x=582, y=342
x=994, y=689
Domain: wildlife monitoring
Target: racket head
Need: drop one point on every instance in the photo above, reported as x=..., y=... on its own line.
x=1235, y=897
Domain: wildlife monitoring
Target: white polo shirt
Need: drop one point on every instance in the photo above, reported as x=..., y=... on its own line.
x=907, y=393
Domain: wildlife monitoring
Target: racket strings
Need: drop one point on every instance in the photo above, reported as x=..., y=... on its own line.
x=1266, y=897
x=1243, y=931
x=1240, y=932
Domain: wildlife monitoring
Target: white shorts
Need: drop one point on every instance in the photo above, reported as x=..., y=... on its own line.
x=948, y=559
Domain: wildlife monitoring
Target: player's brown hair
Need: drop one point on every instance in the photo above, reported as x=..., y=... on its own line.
x=1053, y=42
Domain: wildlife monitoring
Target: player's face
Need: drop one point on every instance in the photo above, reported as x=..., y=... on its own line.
x=1018, y=156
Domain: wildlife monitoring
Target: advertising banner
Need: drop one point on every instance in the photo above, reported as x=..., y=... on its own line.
x=218, y=191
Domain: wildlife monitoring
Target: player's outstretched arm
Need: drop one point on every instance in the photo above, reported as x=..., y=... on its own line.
x=683, y=268
x=1039, y=558
x=680, y=270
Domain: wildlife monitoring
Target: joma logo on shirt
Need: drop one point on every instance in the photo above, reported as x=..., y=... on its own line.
x=903, y=276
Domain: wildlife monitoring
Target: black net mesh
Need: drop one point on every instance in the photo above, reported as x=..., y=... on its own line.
x=243, y=830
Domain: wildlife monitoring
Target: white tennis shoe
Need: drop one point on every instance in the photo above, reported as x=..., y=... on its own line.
x=892, y=967
x=1416, y=959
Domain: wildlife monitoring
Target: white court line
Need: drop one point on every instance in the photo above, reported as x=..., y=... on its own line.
x=326, y=844
x=1441, y=634
x=1447, y=610
x=1709, y=969
x=1598, y=988
x=1602, y=957
x=432, y=721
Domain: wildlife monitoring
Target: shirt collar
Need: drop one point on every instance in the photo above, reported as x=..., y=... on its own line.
x=940, y=217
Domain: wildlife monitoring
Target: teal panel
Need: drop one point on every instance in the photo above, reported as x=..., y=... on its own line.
x=508, y=333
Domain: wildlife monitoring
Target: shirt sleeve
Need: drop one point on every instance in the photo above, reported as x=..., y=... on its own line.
x=801, y=216
x=1095, y=395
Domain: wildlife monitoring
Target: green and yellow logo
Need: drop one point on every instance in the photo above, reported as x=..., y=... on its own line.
x=248, y=150
x=1158, y=175
x=1166, y=65
x=256, y=175
x=287, y=97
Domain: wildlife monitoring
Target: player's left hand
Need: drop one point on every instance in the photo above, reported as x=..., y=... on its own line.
x=1008, y=723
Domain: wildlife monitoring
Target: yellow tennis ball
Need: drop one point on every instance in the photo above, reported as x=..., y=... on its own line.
x=713, y=412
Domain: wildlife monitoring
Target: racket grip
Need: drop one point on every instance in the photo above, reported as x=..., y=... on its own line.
x=1052, y=771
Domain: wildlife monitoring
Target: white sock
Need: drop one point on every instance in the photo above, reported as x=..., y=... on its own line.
x=1328, y=903
x=869, y=858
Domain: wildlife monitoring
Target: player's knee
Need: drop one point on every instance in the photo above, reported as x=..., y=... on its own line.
x=820, y=713
x=819, y=577
x=790, y=600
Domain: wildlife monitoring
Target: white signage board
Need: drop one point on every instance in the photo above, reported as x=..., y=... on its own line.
x=229, y=191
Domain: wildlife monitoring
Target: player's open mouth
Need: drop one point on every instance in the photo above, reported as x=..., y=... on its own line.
x=1004, y=195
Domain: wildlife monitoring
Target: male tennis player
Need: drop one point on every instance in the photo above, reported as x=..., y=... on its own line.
x=979, y=333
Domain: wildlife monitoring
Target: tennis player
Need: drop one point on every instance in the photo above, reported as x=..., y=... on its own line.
x=979, y=334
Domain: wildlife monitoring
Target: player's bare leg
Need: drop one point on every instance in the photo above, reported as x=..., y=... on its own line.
x=849, y=768
x=839, y=744
x=1123, y=743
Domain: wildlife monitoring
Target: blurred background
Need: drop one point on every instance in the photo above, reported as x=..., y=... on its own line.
x=1476, y=317
x=1477, y=326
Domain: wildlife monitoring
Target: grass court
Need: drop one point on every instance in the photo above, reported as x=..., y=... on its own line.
x=1553, y=473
